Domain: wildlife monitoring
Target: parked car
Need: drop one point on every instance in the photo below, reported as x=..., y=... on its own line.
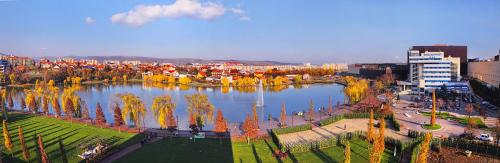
x=485, y=137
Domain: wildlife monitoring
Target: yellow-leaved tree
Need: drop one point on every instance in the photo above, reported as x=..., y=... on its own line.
x=133, y=108
x=160, y=107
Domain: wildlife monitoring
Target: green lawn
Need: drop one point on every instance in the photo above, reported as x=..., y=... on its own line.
x=433, y=127
x=215, y=150
x=51, y=129
x=463, y=121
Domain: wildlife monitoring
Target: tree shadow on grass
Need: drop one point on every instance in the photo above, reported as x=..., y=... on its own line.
x=255, y=154
x=324, y=157
x=272, y=150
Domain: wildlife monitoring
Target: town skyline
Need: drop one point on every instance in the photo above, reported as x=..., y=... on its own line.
x=325, y=32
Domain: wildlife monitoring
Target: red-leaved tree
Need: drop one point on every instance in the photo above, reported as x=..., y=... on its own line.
x=99, y=115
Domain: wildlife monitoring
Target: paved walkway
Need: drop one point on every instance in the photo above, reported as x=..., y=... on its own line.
x=335, y=129
x=117, y=155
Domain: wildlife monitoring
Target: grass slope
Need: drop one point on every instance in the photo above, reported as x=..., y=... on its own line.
x=215, y=150
x=463, y=121
x=51, y=129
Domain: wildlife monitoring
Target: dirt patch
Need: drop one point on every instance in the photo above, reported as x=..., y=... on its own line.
x=455, y=155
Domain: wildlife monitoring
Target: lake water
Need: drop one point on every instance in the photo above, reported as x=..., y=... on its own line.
x=235, y=104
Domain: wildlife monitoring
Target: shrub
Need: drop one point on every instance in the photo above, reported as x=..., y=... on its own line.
x=291, y=129
x=395, y=122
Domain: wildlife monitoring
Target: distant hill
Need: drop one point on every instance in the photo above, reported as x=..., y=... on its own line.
x=177, y=61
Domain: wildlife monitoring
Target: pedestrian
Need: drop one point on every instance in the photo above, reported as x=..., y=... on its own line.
x=345, y=126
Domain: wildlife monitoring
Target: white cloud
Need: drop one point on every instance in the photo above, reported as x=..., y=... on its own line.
x=89, y=20
x=143, y=14
x=240, y=13
x=237, y=11
x=245, y=18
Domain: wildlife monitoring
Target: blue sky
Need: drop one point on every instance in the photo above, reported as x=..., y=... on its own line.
x=284, y=30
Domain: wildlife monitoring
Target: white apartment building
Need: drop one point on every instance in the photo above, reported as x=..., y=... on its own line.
x=430, y=70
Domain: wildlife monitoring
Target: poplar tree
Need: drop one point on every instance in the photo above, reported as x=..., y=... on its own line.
x=26, y=152
x=41, y=149
x=6, y=137
x=283, y=115
x=347, y=152
x=424, y=149
x=433, y=112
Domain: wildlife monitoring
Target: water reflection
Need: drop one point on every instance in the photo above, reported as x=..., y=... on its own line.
x=235, y=102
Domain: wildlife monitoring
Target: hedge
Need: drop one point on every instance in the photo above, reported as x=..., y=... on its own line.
x=395, y=122
x=291, y=129
x=337, y=118
x=471, y=145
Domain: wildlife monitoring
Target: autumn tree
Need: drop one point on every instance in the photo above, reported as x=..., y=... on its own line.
x=85, y=111
x=171, y=121
x=433, y=112
x=469, y=108
x=220, y=123
x=6, y=136
x=311, y=111
x=160, y=107
x=192, y=124
x=68, y=109
x=10, y=102
x=31, y=101
x=424, y=149
x=378, y=148
x=330, y=107
x=41, y=149
x=56, y=106
x=99, y=115
x=23, y=104
x=24, y=148
x=133, y=109
x=45, y=104
x=255, y=117
x=200, y=107
x=371, y=131
x=283, y=116
x=347, y=152
x=249, y=128
x=118, y=118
